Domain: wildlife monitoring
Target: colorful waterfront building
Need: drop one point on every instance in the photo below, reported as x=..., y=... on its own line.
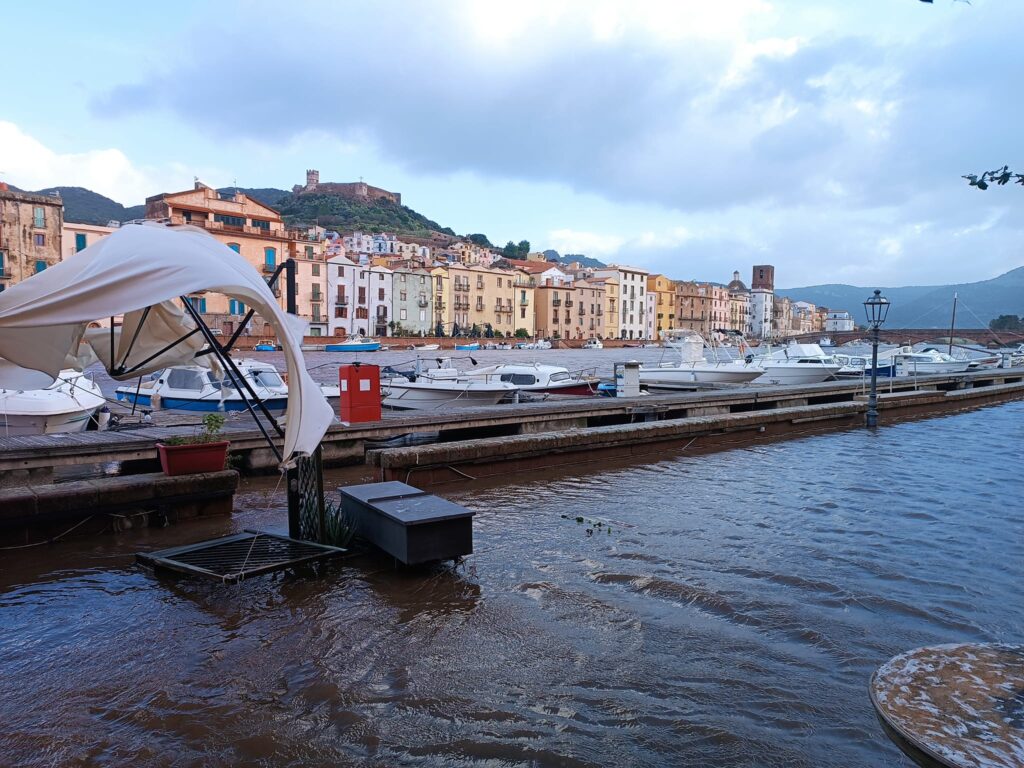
x=412, y=301
x=632, y=283
x=30, y=234
x=661, y=313
x=588, y=314
x=77, y=237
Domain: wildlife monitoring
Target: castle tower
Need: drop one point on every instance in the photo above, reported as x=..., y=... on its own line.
x=312, y=179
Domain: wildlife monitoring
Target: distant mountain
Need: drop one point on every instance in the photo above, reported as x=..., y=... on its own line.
x=927, y=306
x=87, y=207
x=569, y=258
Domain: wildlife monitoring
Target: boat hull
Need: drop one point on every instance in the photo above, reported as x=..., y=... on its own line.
x=413, y=396
x=275, y=405
x=367, y=347
x=700, y=374
x=925, y=368
x=15, y=424
x=796, y=374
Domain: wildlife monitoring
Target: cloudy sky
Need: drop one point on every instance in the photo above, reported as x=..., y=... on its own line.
x=689, y=137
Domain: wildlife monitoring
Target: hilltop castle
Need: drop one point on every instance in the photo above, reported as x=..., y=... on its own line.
x=357, y=190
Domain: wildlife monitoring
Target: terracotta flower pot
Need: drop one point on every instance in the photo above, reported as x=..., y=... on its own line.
x=192, y=459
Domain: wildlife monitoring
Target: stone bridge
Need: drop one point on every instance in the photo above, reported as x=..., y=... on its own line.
x=915, y=335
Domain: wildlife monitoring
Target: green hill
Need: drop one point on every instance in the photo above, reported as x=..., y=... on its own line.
x=924, y=306
x=87, y=207
x=336, y=212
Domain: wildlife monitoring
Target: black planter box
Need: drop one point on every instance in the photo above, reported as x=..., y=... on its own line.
x=407, y=523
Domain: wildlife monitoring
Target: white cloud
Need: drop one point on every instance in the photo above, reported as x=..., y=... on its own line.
x=589, y=243
x=27, y=163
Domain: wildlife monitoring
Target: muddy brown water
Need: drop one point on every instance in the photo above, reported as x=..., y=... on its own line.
x=728, y=611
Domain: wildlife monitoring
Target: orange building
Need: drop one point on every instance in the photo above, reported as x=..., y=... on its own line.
x=256, y=232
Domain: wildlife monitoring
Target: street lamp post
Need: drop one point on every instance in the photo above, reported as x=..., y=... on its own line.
x=876, y=308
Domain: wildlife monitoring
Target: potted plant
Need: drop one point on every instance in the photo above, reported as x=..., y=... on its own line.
x=191, y=454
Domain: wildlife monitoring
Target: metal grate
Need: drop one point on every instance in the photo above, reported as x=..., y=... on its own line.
x=235, y=558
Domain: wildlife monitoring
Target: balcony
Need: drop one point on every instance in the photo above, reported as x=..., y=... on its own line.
x=316, y=298
x=582, y=310
x=423, y=303
x=523, y=302
x=568, y=303
x=341, y=301
x=600, y=312
x=269, y=269
x=480, y=306
x=556, y=302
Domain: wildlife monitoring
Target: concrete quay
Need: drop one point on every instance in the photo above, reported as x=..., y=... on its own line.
x=48, y=512
x=33, y=459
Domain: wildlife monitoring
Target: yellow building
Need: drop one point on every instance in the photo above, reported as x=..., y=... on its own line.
x=663, y=291
x=588, y=313
x=608, y=316
x=444, y=299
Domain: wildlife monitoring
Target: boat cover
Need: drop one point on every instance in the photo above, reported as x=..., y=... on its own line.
x=44, y=320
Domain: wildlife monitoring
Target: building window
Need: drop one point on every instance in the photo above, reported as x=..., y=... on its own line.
x=236, y=307
x=380, y=276
x=259, y=224
x=314, y=331
x=39, y=239
x=380, y=292
x=229, y=221
x=316, y=270
x=403, y=314
x=235, y=247
x=40, y=265
x=198, y=303
x=309, y=252
x=39, y=217
x=270, y=257
x=403, y=296
x=3, y=266
x=80, y=241
x=341, y=271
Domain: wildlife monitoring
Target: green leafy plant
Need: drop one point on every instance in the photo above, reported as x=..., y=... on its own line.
x=339, y=528
x=213, y=423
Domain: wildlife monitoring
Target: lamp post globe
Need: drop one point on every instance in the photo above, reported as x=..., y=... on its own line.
x=876, y=308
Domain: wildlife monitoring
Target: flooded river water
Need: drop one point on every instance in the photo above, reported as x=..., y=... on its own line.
x=728, y=611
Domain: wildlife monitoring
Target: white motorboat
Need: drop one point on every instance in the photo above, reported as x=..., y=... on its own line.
x=926, y=361
x=354, y=344
x=796, y=364
x=194, y=388
x=826, y=341
x=538, y=344
x=498, y=345
x=64, y=406
x=860, y=365
x=421, y=392
x=424, y=347
x=693, y=368
x=530, y=377
x=593, y=344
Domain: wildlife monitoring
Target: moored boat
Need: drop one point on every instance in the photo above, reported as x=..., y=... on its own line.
x=470, y=347
x=593, y=344
x=418, y=392
x=796, y=364
x=194, y=388
x=693, y=368
x=354, y=344
x=928, y=360
x=64, y=406
x=532, y=377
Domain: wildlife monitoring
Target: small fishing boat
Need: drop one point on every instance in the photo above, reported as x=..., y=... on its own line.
x=471, y=347
x=826, y=341
x=194, y=388
x=593, y=344
x=64, y=406
x=354, y=344
x=424, y=347
x=265, y=347
x=497, y=345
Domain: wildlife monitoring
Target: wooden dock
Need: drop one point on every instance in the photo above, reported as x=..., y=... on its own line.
x=35, y=456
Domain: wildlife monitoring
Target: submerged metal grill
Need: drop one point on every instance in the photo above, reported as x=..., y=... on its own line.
x=235, y=558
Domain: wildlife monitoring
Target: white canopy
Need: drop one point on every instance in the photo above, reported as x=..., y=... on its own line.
x=43, y=320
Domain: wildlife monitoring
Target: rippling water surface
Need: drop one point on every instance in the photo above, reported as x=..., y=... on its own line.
x=729, y=610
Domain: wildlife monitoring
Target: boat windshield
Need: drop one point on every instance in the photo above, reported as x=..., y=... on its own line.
x=520, y=379
x=183, y=378
x=266, y=377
